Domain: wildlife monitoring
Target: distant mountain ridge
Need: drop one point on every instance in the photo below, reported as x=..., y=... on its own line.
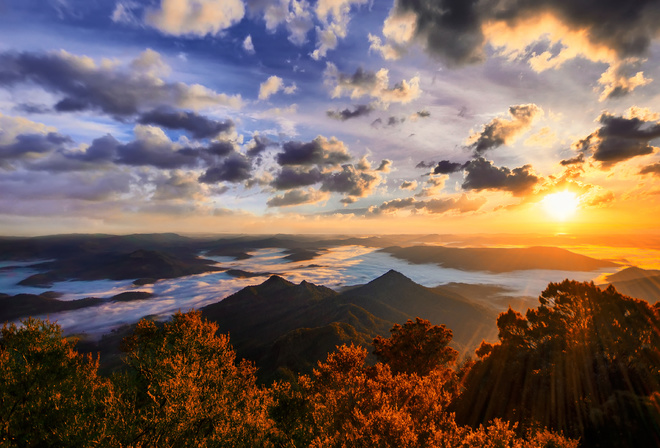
x=497, y=259
x=279, y=324
x=637, y=282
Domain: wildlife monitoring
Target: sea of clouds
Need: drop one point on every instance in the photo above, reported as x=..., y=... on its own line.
x=335, y=268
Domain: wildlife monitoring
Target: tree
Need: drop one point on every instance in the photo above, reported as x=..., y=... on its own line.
x=585, y=362
x=184, y=388
x=416, y=347
x=50, y=395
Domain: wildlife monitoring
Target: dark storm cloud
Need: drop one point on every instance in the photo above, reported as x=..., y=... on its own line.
x=86, y=86
x=289, y=178
x=156, y=154
x=500, y=131
x=481, y=174
x=235, y=168
x=102, y=149
x=444, y=167
x=27, y=145
x=198, y=126
x=619, y=139
x=259, y=144
x=651, y=169
x=350, y=181
x=452, y=29
x=346, y=114
x=221, y=148
x=577, y=160
x=319, y=151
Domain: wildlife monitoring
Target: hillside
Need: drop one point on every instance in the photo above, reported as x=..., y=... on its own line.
x=637, y=282
x=280, y=324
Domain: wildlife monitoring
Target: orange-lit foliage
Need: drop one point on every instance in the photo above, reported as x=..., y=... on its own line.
x=183, y=388
x=346, y=403
x=49, y=394
x=416, y=347
x=585, y=362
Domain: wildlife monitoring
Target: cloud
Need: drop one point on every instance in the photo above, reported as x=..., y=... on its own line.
x=432, y=187
x=273, y=85
x=195, y=17
x=109, y=88
x=385, y=166
x=346, y=114
x=372, y=84
x=398, y=30
x=502, y=131
x=544, y=138
x=351, y=182
x=653, y=169
x=621, y=137
x=408, y=185
x=424, y=164
x=577, y=160
x=198, y=126
x=235, y=168
x=153, y=148
x=320, y=151
x=297, y=197
x=618, y=81
x=258, y=145
x=444, y=167
x=11, y=127
x=248, y=46
x=24, y=190
x=458, y=31
x=30, y=146
x=177, y=186
x=289, y=178
x=481, y=174
x=462, y=204
x=334, y=15
x=295, y=15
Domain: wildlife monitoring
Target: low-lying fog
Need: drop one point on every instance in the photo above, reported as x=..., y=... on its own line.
x=336, y=268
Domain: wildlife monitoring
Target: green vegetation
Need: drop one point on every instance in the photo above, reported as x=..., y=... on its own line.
x=581, y=369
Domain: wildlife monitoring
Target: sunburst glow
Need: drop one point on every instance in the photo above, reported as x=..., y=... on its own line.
x=561, y=206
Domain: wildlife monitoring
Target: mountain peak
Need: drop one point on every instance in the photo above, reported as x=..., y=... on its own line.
x=276, y=282
x=390, y=276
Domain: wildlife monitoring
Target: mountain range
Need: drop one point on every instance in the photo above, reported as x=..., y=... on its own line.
x=282, y=325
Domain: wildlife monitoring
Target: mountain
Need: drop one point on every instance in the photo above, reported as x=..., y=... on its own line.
x=24, y=305
x=638, y=283
x=147, y=265
x=396, y=298
x=279, y=324
x=498, y=260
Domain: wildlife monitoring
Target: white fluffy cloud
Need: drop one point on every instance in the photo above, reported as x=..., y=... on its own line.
x=195, y=17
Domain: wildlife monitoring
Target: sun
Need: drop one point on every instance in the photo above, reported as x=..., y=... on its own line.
x=561, y=206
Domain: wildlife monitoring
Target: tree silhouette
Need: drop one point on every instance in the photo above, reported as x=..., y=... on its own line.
x=585, y=362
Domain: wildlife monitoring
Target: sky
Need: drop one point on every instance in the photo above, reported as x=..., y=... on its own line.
x=329, y=116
